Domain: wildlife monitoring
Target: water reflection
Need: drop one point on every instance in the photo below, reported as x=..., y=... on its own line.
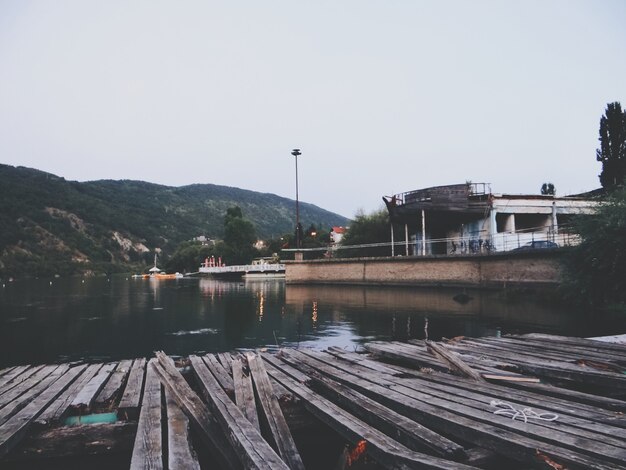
x=121, y=318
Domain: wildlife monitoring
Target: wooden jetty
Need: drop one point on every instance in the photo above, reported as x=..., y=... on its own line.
x=520, y=402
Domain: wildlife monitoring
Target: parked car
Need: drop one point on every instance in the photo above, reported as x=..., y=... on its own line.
x=537, y=245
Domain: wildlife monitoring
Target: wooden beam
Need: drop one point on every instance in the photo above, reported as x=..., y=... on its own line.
x=273, y=414
x=244, y=393
x=249, y=445
x=148, y=447
x=131, y=398
x=179, y=451
x=115, y=383
x=197, y=412
x=83, y=400
x=56, y=410
x=385, y=450
x=32, y=391
x=454, y=360
x=14, y=430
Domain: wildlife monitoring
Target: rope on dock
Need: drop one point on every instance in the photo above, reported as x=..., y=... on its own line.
x=506, y=409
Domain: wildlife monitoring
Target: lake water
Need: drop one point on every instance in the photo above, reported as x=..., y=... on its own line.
x=43, y=321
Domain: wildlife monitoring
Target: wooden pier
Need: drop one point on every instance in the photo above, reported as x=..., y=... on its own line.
x=519, y=402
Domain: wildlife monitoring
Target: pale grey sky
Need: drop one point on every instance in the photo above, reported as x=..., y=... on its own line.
x=381, y=96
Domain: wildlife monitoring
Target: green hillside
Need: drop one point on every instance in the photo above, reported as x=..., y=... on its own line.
x=52, y=226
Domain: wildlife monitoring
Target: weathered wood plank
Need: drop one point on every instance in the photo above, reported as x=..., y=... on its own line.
x=77, y=441
x=23, y=377
x=454, y=360
x=21, y=389
x=148, y=447
x=84, y=398
x=13, y=430
x=553, y=369
x=23, y=397
x=273, y=414
x=386, y=451
x=226, y=359
x=179, y=451
x=220, y=373
x=131, y=398
x=250, y=446
x=502, y=436
x=554, y=339
x=114, y=385
x=6, y=370
x=13, y=373
x=197, y=412
x=244, y=393
x=56, y=410
x=404, y=430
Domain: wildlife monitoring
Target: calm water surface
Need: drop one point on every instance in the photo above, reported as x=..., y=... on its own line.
x=44, y=321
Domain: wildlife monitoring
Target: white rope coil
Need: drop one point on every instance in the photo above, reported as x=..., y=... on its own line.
x=523, y=414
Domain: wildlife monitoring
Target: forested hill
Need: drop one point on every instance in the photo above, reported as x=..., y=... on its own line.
x=52, y=226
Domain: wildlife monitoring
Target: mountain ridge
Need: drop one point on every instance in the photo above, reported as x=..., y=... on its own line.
x=51, y=225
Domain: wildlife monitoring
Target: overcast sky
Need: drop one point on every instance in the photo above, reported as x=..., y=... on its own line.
x=381, y=96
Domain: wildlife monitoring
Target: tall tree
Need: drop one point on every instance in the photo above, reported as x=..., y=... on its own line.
x=548, y=189
x=612, y=151
x=239, y=236
x=597, y=267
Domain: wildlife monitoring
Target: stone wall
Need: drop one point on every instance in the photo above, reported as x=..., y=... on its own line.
x=497, y=270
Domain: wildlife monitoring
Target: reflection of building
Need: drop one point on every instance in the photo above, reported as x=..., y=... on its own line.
x=469, y=218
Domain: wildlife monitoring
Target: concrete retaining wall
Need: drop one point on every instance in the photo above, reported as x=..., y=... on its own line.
x=539, y=268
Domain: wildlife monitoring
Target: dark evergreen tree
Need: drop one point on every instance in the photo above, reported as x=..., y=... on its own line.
x=612, y=151
x=548, y=188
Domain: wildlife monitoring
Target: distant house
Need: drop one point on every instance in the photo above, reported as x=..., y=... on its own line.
x=469, y=218
x=204, y=240
x=336, y=234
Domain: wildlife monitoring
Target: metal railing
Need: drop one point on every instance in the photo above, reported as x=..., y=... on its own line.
x=473, y=243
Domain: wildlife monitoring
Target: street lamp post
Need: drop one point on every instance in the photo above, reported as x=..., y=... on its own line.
x=295, y=153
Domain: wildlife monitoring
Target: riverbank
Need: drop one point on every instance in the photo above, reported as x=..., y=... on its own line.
x=468, y=403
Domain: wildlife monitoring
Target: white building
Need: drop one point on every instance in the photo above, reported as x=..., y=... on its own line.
x=469, y=218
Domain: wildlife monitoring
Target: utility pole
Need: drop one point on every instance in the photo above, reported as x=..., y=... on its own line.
x=295, y=153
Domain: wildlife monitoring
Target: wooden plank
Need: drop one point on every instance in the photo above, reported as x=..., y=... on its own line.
x=23, y=397
x=114, y=385
x=131, y=398
x=14, y=372
x=197, y=412
x=454, y=360
x=6, y=370
x=404, y=430
x=565, y=352
x=226, y=359
x=571, y=421
x=21, y=378
x=11, y=395
x=220, y=373
x=386, y=451
x=13, y=430
x=179, y=451
x=551, y=404
x=77, y=441
x=598, y=345
x=273, y=415
x=84, y=398
x=56, y=410
x=244, y=393
x=252, y=449
x=502, y=436
x=554, y=369
x=148, y=447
